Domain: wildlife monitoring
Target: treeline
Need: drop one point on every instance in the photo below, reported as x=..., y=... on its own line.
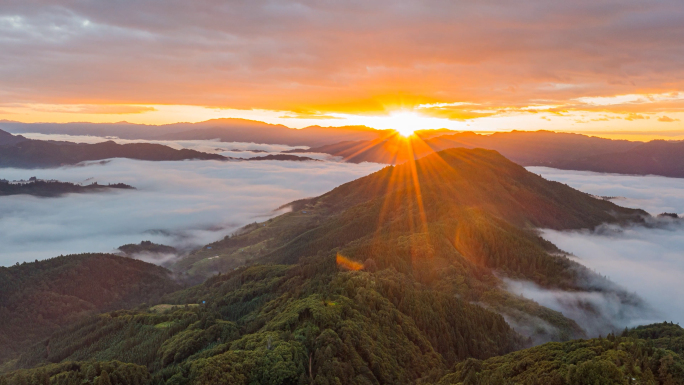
x=76, y=373
x=622, y=359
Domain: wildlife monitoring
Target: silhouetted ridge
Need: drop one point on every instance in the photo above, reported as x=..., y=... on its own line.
x=52, y=188
x=37, y=153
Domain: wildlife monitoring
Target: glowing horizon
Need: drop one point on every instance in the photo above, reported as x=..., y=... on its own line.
x=403, y=121
x=585, y=67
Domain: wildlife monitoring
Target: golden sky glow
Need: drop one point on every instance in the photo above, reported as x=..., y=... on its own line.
x=597, y=67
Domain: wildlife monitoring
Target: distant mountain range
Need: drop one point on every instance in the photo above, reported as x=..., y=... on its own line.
x=353, y=144
x=226, y=130
x=17, y=151
x=539, y=148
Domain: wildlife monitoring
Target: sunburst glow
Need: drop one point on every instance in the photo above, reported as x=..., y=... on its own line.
x=404, y=122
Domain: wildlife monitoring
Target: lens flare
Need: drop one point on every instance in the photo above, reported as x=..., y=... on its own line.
x=347, y=263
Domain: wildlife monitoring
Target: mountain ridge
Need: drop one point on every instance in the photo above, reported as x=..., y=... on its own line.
x=48, y=154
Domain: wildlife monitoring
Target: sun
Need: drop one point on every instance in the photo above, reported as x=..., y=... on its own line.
x=405, y=122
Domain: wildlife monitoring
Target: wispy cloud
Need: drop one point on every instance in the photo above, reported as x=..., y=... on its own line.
x=604, y=309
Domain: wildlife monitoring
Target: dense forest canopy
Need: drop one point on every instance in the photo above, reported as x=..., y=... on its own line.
x=40, y=297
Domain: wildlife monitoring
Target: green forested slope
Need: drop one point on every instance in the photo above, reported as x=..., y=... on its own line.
x=37, y=298
x=448, y=222
x=624, y=359
x=288, y=324
x=390, y=279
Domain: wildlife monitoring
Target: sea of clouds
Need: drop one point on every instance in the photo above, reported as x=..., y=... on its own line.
x=646, y=260
x=182, y=204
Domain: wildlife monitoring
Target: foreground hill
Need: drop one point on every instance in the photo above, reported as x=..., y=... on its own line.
x=38, y=154
x=390, y=279
x=38, y=298
x=632, y=358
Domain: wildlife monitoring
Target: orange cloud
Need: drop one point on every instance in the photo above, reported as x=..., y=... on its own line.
x=667, y=119
x=315, y=58
x=633, y=116
x=310, y=116
x=98, y=109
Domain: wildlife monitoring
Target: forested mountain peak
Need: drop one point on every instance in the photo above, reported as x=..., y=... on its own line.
x=478, y=179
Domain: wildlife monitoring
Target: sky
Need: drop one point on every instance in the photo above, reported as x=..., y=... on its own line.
x=613, y=68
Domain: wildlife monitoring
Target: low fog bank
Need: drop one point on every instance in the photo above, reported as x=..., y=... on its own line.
x=182, y=204
x=162, y=259
x=647, y=261
x=655, y=194
x=597, y=310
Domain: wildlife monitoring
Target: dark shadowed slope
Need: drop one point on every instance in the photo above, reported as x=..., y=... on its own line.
x=37, y=298
x=7, y=139
x=37, y=153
